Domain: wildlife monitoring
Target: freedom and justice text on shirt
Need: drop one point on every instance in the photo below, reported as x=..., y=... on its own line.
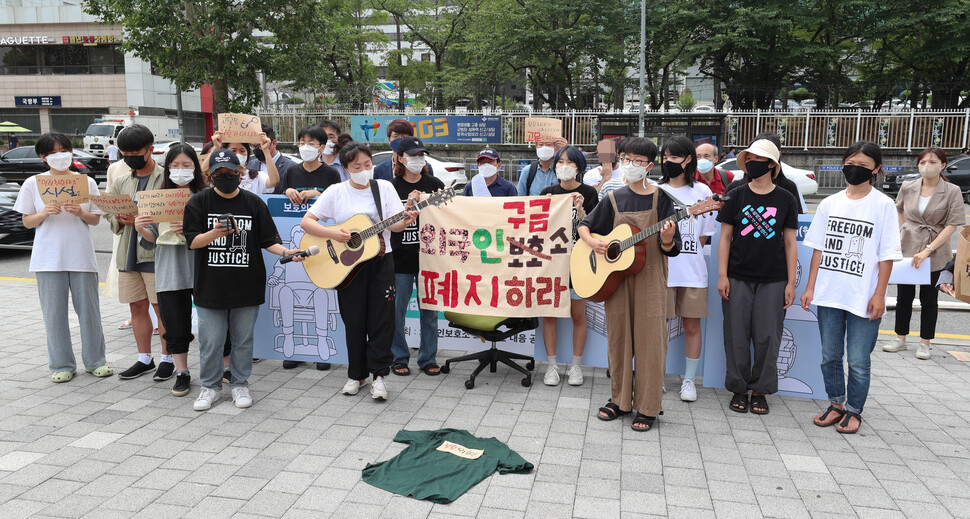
x=497, y=256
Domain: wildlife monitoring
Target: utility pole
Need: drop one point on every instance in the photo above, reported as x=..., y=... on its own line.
x=400, y=66
x=643, y=67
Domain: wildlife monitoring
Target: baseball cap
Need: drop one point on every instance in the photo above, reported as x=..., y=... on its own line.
x=410, y=145
x=223, y=158
x=488, y=153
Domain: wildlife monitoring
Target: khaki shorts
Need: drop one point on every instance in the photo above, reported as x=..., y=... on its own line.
x=136, y=286
x=686, y=302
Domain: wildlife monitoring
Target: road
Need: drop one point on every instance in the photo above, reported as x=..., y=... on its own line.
x=15, y=263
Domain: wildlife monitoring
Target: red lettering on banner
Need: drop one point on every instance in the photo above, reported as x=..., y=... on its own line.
x=428, y=233
x=429, y=287
x=519, y=209
x=449, y=289
x=551, y=285
x=539, y=222
x=494, y=302
x=473, y=290
x=515, y=295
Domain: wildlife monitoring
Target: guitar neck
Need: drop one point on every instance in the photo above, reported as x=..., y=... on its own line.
x=387, y=223
x=653, y=229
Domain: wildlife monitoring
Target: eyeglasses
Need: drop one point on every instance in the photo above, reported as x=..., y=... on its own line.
x=639, y=162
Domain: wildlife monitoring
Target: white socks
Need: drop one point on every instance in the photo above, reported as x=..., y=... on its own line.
x=145, y=358
x=168, y=358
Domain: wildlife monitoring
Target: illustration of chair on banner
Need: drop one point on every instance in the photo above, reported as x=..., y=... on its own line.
x=306, y=328
x=494, y=330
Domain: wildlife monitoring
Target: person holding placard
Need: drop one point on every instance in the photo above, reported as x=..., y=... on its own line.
x=636, y=318
x=63, y=261
x=228, y=228
x=252, y=179
x=174, y=265
x=856, y=240
x=930, y=211
x=135, y=260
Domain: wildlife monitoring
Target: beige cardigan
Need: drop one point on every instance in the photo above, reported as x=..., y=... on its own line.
x=919, y=230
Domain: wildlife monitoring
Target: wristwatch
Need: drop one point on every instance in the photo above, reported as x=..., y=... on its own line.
x=930, y=247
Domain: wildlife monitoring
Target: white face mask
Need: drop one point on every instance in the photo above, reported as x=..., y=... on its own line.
x=633, y=173
x=564, y=173
x=181, y=177
x=545, y=152
x=309, y=153
x=328, y=149
x=363, y=177
x=487, y=170
x=60, y=161
x=704, y=165
x=243, y=159
x=926, y=170
x=415, y=164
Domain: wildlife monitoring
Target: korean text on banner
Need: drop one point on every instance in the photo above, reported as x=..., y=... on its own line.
x=240, y=128
x=961, y=266
x=499, y=257
x=163, y=205
x=542, y=129
x=115, y=204
x=63, y=189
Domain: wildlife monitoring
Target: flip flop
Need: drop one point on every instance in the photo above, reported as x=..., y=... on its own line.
x=431, y=366
x=125, y=325
x=102, y=371
x=401, y=369
x=62, y=376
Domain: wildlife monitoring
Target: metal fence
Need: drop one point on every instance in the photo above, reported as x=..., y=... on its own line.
x=899, y=130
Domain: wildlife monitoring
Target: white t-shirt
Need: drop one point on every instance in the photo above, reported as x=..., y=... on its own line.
x=594, y=176
x=62, y=242
x=689, y=268
x=854, y=236
x=256, y=185
x=113, y=153
x=342, y=201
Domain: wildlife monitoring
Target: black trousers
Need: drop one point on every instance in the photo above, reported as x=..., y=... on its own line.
x=367, y=310
x=175, y=308
x=929, y=307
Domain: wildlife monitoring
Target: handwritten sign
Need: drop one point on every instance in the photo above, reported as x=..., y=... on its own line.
x=115, y=204
x=240, y=128
x=460, y=450
x=497, y=256
x=63, y=189
x=163, y=205
x=542, y=129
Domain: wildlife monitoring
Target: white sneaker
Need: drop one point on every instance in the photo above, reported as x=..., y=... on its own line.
x=207, y=397
x=378, y=390
x=240, y=397
x=552, y=375
x=352, y=387
x=574, y=375
x=894, y=345
x=923, y=353
x=688, y=392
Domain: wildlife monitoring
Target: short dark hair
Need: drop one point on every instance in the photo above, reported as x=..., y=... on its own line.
x=314, y=132
x=573, y=155
x=867, y=148
x=197, y=184
x=642, y=146
x=269, y=131
x=400, y=127
x=343, y=140
x=770, y=136
x=135, y=138
x=46, y=143
x=680, y=146
x=621, y=147
x=349, y=152
x=327, y=123
x=208, y=147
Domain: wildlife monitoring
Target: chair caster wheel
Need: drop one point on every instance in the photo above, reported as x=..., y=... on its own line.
x=445, y=369
x=607, y=372
x=526, y=381
x=469, y=384
x=531, y=365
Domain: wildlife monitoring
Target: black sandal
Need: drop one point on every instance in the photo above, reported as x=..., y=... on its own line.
x=643, y=423
x=739, y=404
x=431, y=366
x=401, y=369
x=821, y=419
x=846, y=421
x=759, y=404
x=612, y=412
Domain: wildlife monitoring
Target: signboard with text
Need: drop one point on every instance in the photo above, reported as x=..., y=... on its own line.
x=163, y=205
x=63, y=189
x=243, y=128
x=434, y=129
x=542, y=129
x=40, y=101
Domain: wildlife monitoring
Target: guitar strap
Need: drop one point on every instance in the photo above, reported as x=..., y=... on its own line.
x=376, y=191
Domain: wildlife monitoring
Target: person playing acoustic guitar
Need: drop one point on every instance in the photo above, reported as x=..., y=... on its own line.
x=367, y=301
x=636, y=314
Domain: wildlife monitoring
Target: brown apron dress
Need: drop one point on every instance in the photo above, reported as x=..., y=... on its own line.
x=636, y=323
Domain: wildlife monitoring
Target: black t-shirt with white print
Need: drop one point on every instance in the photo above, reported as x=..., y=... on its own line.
x=229, y=272
x=758, y=242
x=405, y=243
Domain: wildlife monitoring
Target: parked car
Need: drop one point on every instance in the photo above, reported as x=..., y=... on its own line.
x=703, y=108
x=792, y=105
x=12, y=230
x=19, y=163
x=803, y=178
x=957, y=171
x=809, y=103
x=160, y=149
x=451, y=173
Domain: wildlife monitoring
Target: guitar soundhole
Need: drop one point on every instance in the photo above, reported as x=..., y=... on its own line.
x=613, y=251
x=354, y=241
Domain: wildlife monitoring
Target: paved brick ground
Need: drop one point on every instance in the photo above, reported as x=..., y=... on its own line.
x=111, y=448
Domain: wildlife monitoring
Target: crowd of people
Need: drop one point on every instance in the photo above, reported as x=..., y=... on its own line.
x=213, y=259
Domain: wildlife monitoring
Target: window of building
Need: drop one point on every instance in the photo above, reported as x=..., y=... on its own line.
x=27, y=117
x=29, y=60
x=74, y=122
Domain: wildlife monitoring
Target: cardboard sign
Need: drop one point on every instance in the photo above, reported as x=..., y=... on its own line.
x=542, y=129
x=115, y=204
x=961, y=266
x=240, y=128
x=163, y=205
x=63, y=189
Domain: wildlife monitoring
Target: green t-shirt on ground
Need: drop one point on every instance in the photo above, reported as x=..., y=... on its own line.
x=442, y=465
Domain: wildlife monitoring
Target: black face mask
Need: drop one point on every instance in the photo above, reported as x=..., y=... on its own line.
x=757, y=169
x=672, y=169
x=135, y=162
x=260, y=156
x=856, y=175
x=226, y=182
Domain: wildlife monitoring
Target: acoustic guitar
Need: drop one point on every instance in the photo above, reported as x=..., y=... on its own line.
x=596, y=276
x=338, y=263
